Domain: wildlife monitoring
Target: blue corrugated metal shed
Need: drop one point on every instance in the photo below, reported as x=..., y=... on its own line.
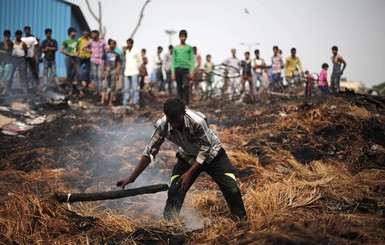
x=58, y=15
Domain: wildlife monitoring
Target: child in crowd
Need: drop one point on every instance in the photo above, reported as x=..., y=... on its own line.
x=309, y=84
x=322, y=80
x=110, y=72
x=209, y=68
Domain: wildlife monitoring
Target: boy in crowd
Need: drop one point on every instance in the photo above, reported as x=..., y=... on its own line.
x=167, y=67
x=143, y=69
x=276, y=67
x=233, y=72
x=6, y=48
x=247, y=76
x=70, y=50
x=49, y=48
x=84, y=58
x=32, y=56
x=19, y=53
x=131, y=74
x=110, y=72
x=337, y=61
x=323, y=79
x=183, y=67
x=96, y=47
x=292, y=64
x=258, y=66
x=158, y=63
x=209, y=69
x=309, y=84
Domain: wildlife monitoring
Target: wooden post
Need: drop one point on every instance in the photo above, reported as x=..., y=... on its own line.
x=81, y=197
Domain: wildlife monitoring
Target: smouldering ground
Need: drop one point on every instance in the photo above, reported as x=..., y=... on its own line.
x=310, y=173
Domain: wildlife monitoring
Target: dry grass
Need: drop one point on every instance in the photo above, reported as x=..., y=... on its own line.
x=333, y=199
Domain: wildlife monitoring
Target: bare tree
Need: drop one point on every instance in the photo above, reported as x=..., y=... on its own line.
x=140, y=18
x=102, y=29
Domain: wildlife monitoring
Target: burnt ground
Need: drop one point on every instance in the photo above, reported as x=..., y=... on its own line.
x=87, y=148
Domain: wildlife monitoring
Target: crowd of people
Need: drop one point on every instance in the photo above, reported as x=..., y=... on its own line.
x=91, y=60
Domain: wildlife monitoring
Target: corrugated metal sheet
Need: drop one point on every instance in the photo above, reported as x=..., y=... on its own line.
x=39, y=15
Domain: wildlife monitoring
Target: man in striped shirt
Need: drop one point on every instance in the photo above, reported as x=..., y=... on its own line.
x=199, y=150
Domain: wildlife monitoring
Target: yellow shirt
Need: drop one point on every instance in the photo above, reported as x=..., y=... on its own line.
x=291, y=65
x=82, y=42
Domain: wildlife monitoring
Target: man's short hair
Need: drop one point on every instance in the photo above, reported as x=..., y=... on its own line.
x=170, y=47
x=325, y=65
x=183, y=32
x=160, y=47
x=18, y=32
x=95, y=31
x=71, y=29
x=275, y=47
x=7, y=33
x=130, y=40
x=47, y=30
x=293, y=49
x=27, y=27
x=335, y=48
x=173, y=108
x=144, y=50
x=208, y=56
x=247, y=52
x=256, y=51
x=86, y=29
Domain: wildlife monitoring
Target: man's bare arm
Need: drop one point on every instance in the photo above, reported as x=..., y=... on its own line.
x=143, y=163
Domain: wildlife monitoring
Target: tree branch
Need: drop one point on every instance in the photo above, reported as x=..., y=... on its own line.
x=140, y=18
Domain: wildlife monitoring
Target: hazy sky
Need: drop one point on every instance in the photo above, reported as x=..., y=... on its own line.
x=357, y=27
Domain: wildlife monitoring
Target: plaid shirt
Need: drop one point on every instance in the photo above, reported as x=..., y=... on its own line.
x=196, y=141
x=97, y=50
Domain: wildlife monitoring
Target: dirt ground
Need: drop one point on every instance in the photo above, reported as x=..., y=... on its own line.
x=310, y=171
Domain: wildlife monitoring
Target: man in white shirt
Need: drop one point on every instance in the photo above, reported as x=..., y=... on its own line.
x=31, y=58
x=131, y=74
x=258, y=66
x=233, y=64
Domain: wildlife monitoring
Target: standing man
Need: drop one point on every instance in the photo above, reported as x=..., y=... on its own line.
x=167, y=67
x=110, y=72
x=276, y=67
x=183, y=67
x=49, y=48
x=143, y=69
x=6, y=48
x=96, y=47
x=337, y=72
x=247, y=76
x=197, y=71
x=131, y=74
x=32, y=59
x=84, y=58
x=258, y=66
x=233, y=72
x=292, y=64
x=19, y=53
x=199, y=150
x=70, y=50
x=158, y=63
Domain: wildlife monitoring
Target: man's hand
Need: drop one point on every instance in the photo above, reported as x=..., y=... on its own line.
x=117, y=77
x=173, y=76
x=184, y=182
x=192, y=76
x=122, y=183
x=103, y=76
